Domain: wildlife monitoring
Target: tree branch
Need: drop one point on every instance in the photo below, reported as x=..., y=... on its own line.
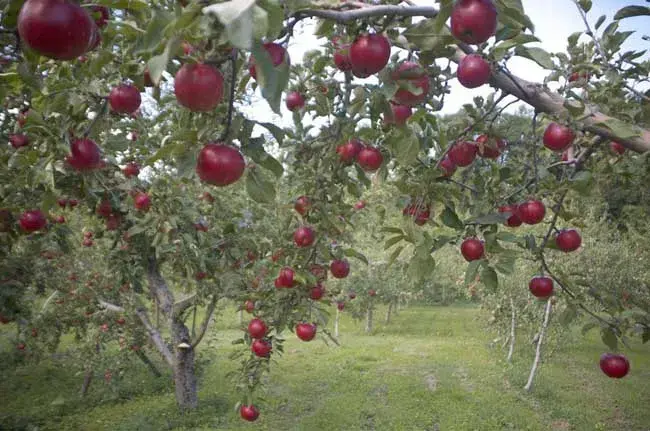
x=110, y=307
x=158, y=287
x=206, y=321
x=183, y=304
x=368, y=12
x=154, y=336
x=538, y=350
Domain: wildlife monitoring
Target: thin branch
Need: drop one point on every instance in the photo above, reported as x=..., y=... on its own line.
x=465, y=186
x=206, y=322
x=368, y=12
x=231, y=100
x=538, y=349
x=183, y=304
x=110, y=307
x=100, y=113
x=154, y=336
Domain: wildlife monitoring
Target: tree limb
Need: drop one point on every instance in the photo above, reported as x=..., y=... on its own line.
x=206, y=321
x=183, y=304
x=158, y=287
x=154, y=336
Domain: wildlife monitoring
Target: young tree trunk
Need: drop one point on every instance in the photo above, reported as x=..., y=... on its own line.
x=240, y=316
x=396, y=307
x=369, y=320
x=538, y=351
x=388, y=312
x=184, y=376
x=88, y=379
x=144, y=358
x=336, y=323
x=512, y=331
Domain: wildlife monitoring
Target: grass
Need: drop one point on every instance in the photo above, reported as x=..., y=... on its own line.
x=431, y=369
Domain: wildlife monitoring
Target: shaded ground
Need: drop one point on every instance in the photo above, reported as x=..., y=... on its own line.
x=430, y=369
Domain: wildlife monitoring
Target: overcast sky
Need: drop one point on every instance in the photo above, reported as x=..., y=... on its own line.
x=554, y=21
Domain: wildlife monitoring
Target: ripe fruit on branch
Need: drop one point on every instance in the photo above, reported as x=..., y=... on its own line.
x=198, y=87
x=473, y=71
x=558, y=137
x=257, y=328
x=472, y=249
x=614, y=365
x=131, y=169
x=415, y=76
x=513, y=220
x=261, y=348
x=488, y=148
x=285, y=278
x=398, y=115
x=579, y=76
x=319, y=271
x=370, y=159
x=372, y=292
x=249, y=306
x=348, y=152
x=220, y=164
x=249, y=413
x=340, y=305
x=473, y=21
x=200, y=275
x=113, y=221
x=59, y=29
x=352, y=295
x=277, y=53
x=340, y=268
x=84, y=154
x=541, y=287
x=87, y=242
x=104, y=209
x=447, y=166
x=125, y=99
x=294, y=101
x=101, y=14
x=317, y=292
x=614, y=146
x=360, y=205
x=568, y=240
x=369, y=53
x=531, y=212
x=304, y=236
x=302, y=205
x=342, y=58
x=18, y=140
x=306, y=331
x=462, y=153
x=419, y=213
x=31, y=221
x=142, y=201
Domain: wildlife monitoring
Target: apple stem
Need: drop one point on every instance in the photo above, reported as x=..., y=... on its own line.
x=538, y=350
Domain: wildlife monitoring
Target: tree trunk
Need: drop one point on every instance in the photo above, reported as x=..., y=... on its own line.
x=369, y=320
x=144, y=358
x=512, y=331
x=336, y=323
x=184, y=376
x=538, y=351
x=88, y=378
x=388, y=311
x=240, y=315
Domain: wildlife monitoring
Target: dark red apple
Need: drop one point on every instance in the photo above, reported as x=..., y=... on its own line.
x=513, y=220
x=113, y=222
x=104, y=209
x=18, y=140
x=568, y=240
x=462, y=153
x=447, y=166
x=614, y=365
x=340, y=268
x=419, y=213
x=304, y=236
x=277, y=53
x=249, y=306
x=142, y=201
x=62, y=202
x=399, y=114
x=302, y=205
x=249, y=413
x=319, y=271
x=198, y=87
x=21, y=346
x=261, y=348
x=200, y=275
x=220, y=164
x=558, y=137
x=370, y=159
x=101, y=14
x=342, y=58
x=352, y=295
x=473, y=71
x=415, y=76
x=317, y=292
x=60, y=219
x=372, y=292
x=306, y=331
x=472, y=249
x=73, y=203
x=369, y=53
x=531, y=211
x=541, y=287
x=294, y=101
x=125, y=99
x=360, y=205
x=285, y=279
x=131, y=169
x=87, y=242
x=84, y=154
x=257, y=328
x=340, y=305
x=349, y=151
x=120, y=321
x=614, y=146
x=88, y=234
x=31, y=221
x=59, y=29
x=490, y=148
x=473, y=21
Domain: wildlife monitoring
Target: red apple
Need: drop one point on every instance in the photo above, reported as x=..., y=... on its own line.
x=304, y=236
x=21, y=346
x=473, y=21
x=84, y=154
x=614, y=146
x=340, y=305
x=349, y=151
x=342, y=58
x=249, y=413
x=148, y=82
x=120, y=321
x=62, y=202
x=257, y=328
x=302, y=205
x=369, y=53
x=104, y=209
x=88, y=234
x=513, y=220
x=399, y=114
x=568, y=240
x=60, y=219
x=419, y=213
x=558, y=137
x=473, y=71
x=220, y=164
x=125, y=99
x=87, y=242
x=249, y=306
x=73, y=203
x=370, y=159
x=352, y=295
x=261, y=348
x=614, y=365
x=531, y=212
x=198, y=87
x=100, y=14
x=447, y=166
x=360, y=205
x=306, y=331
x=372, y=292
x=490, y=148
x=541, y=287
x=59, y=29
x=18, y=140
x=142, y=201
x=277, y=53
x=285, y=279
x=462, y=153
x=319, y=271
x=200, y=275
x=131, y=169
x=317, y=292
x=113, y=222
x=472, y=249
x=31, y=221
x=416, y=77
x=340, y=268
x=294, y=101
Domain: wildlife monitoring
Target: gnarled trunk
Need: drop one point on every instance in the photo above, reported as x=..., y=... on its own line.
x=184, y=375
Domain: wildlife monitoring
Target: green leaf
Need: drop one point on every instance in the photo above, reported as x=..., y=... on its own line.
x=158, y=63
x=581, y=181
x=395, y=254
x=134, y=5
x=271, y=79
x=450, y=219
x=588, y=327
x=520, y=39
x=389, y=229
x=472, y=270
x=568, y=315
x=427, y=36
x=237, y=17
x=392, y=241
x=277, y=132
x=538, y=55
x=275, y=17
x=585, y=5
x=494, y=218
x=404, y=145
x=422, y=264
x=490, y=278
x=600, y=21
x=350, y=252
x=259, y=188
x=609, y=337
x=621, y=129
x=632, y=11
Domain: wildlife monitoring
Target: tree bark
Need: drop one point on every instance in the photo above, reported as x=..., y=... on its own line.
x=388, y=312
x=369, y=320
x=240, y=316
x=538, y=350
x=88, y=378
x=512, y=331
x=336, y=323
x=184, y=375
x=144, y=358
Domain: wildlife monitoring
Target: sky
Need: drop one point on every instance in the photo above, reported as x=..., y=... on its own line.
x=554, y=21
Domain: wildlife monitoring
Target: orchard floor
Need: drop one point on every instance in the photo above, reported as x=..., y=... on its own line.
x=430, y=369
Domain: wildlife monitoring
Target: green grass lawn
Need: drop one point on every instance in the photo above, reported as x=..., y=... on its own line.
x=430, y=369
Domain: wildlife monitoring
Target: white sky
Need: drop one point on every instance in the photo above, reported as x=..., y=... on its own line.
x=554, y=21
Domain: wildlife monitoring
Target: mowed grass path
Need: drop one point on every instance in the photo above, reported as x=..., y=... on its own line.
x=430, y=369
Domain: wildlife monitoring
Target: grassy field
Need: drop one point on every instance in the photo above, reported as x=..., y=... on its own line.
x=430, y=369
